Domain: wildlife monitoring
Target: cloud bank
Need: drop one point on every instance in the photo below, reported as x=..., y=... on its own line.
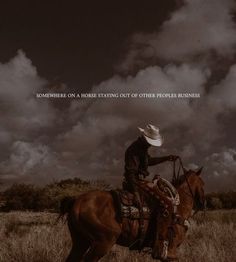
x=42, y=141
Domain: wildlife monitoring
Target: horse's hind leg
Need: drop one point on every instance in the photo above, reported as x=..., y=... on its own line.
x=98, y=250
x=80, y=245
x=78, y=250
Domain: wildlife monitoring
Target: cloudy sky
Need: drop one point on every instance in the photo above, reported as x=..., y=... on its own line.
x=160, y=47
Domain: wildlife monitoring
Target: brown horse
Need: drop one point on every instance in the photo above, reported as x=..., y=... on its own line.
x=95, y=227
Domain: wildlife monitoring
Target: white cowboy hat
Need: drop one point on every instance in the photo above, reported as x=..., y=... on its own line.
x=152, y=135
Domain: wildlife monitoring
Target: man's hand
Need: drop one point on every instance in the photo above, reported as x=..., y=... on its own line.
x=173, y=158
x=144, y=173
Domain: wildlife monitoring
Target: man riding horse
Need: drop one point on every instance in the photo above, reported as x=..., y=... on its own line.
x=137, y=161
x=96, y=221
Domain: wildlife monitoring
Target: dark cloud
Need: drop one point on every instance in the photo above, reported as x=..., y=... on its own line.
x=198, y=30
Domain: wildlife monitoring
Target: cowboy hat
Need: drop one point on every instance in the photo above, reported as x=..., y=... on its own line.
x=152, y=135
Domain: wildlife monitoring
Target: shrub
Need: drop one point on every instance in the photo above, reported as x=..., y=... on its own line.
x=215, y=203
x=22, y=197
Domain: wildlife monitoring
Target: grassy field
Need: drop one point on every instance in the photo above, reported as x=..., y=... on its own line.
x=35, y=237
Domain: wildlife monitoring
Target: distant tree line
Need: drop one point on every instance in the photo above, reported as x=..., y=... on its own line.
x=225, y=200
x=35, y=198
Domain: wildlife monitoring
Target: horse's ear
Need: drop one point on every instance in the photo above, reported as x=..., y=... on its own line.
x=199, y=171
x=185, y=170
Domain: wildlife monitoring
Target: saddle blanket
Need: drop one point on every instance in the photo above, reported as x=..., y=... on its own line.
x=126, y=205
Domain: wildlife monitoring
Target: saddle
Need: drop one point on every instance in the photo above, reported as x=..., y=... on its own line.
x=159, y=188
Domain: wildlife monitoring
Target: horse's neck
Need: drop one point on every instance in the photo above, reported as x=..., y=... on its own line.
x=186, y=201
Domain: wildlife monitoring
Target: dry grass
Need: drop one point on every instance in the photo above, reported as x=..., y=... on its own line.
x=34, y=237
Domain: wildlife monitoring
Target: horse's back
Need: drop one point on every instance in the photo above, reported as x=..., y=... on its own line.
x=93, y=201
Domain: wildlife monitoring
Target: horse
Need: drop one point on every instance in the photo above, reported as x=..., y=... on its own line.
x=94, y=223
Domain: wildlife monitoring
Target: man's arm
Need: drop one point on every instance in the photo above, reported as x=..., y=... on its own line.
x=157, y=160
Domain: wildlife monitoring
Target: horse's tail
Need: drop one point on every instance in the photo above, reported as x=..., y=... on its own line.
x=65, y=206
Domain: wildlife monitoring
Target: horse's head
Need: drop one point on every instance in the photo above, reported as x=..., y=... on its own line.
x=196, y=188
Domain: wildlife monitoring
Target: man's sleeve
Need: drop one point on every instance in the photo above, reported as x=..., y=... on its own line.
x=156, y=160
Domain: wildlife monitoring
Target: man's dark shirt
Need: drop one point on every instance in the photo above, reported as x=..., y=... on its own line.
x=137, y=161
